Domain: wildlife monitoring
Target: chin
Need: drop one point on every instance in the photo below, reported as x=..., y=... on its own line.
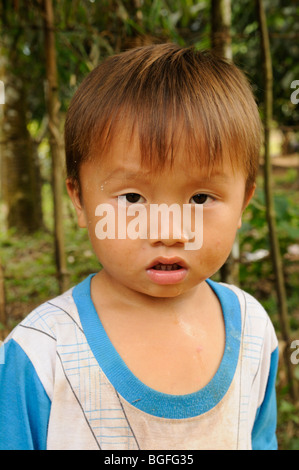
x=167, y=291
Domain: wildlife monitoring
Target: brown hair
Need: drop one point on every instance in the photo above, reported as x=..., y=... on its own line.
x=167, y=93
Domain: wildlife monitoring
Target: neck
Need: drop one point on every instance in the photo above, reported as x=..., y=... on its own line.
x=123, y=298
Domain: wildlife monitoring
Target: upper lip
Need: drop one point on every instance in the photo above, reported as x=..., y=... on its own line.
x=167, y=260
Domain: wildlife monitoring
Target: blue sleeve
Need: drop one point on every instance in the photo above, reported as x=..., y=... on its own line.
x=24, y=404
x=264, y=429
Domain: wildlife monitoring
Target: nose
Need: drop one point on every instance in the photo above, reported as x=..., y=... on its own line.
x=169, y=241
x=165, y=226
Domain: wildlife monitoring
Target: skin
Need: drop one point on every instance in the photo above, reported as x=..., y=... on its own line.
x=171, y=336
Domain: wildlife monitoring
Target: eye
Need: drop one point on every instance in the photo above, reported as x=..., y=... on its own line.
x=132, y=198
x=201, y=198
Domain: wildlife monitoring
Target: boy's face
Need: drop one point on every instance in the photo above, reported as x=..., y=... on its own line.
x=120, y=181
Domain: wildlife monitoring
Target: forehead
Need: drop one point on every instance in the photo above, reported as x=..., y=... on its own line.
x=124, y=159
x=193, y=137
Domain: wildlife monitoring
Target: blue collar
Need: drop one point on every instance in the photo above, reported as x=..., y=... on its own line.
x=140, y=395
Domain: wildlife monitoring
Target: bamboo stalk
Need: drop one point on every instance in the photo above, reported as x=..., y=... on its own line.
x=268, y=188
x=53, y=106
x=221, y=24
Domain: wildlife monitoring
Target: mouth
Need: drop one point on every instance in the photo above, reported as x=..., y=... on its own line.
x=166, y=267
x=167, y=270
x=171, y=263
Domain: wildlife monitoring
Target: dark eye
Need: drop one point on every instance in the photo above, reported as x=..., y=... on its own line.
x=200, y=198
x=132, y=197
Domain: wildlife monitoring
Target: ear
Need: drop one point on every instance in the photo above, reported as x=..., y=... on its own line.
x=248, y=196
x=74, y=193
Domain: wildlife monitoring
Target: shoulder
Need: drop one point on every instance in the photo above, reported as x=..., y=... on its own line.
x=246, y=300
x=47, y=317
x=29, y=372
x=258, y=352
x=44, y=322
x=37, y=336
x=256, y=322
x=259, y=344
x=242, y=305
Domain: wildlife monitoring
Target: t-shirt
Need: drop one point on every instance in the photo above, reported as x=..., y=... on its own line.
x=63, y=385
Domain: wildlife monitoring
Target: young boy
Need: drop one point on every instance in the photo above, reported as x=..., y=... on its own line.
x=149, y=353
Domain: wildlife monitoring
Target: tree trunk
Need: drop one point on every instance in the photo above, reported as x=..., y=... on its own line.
x=20, y=176
x=270, y=209
x=221, y=24
x=56, y=146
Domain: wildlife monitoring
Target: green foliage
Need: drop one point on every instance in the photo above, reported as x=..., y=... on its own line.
x=288, y=425
x=29, y=261
x=169, y=19
x=258, y=276
x=283, y=24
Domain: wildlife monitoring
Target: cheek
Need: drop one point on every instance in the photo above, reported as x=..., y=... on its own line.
x=217, y=245
x=220, y=228
x=117, y=255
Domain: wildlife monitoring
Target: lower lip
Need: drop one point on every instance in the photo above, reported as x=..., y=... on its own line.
x=166, y=277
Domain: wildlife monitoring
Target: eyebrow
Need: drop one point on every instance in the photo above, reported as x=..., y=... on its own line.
x=208, y=177
x=124, y=173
